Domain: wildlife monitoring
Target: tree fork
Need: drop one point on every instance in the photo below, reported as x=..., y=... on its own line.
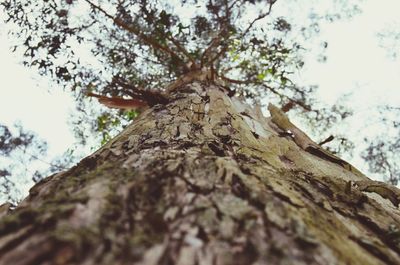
x=204, y=179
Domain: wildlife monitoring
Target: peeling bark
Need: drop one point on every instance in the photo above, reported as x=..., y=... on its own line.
x=204, y=180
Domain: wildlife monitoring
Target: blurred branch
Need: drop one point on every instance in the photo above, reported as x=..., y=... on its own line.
x=282, y=96
x=273, y=90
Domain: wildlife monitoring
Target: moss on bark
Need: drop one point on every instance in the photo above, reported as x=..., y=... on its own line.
x=205, y=179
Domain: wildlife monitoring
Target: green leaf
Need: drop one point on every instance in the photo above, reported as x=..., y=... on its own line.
x=105, y=138
x=131, y=114
x=284, y=80
x=261, y=76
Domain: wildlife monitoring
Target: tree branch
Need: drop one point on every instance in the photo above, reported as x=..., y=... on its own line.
x=215, y=41
x=273, y=90
x=147, y=40
x=150, y=96
x=218, y=55
x=118, y=102
x=235, y=81
x=182, y=49
x=299, y=103
x=261, y=16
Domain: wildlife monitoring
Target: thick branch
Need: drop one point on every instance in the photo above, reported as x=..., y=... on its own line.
x=214, y=42
x=217, y=56
x=118, y=102
x=182, y=49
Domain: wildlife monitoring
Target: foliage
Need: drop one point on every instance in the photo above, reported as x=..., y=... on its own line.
x=18, y=147
x=116, y=47
x=382, y=152
x=389, y=39
x=146, y=44
x=119, y=47
x=22, y=161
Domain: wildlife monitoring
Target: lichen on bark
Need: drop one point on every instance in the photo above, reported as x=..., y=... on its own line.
x=205, y=179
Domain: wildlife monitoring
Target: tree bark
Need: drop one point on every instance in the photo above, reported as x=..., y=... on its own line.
x=205, y=179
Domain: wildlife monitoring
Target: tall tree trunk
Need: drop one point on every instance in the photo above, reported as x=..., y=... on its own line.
x=204, y=180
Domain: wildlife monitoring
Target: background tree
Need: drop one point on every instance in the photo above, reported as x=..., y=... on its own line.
x=13, y=146
x=382, y=151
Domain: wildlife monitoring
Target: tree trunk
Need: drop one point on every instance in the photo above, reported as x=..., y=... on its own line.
x=204, y=180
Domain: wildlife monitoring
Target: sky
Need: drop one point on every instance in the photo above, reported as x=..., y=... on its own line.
x=28, y=98
x=356, y=63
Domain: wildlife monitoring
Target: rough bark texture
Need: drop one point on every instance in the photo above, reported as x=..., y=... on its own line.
x=204, y=180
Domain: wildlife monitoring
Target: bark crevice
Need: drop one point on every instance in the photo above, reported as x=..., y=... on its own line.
x=205, y=179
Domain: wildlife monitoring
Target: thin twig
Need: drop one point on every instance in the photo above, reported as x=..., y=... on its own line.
x=327, y=140
x=41, y=160
x=301, y=104
x=261, y=16
x=273, y=90
x=235, y=81
x=234, y=3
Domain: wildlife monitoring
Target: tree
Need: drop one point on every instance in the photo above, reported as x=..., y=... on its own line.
x=199, y=177
x=205, y=179
x=382, y=151
x=89, y=53
x=14, y=144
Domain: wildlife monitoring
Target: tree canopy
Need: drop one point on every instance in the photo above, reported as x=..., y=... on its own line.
x=146, y=44
x=122, y=48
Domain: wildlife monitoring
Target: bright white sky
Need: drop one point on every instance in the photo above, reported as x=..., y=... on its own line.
x=356, y=63
x=24, y=98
